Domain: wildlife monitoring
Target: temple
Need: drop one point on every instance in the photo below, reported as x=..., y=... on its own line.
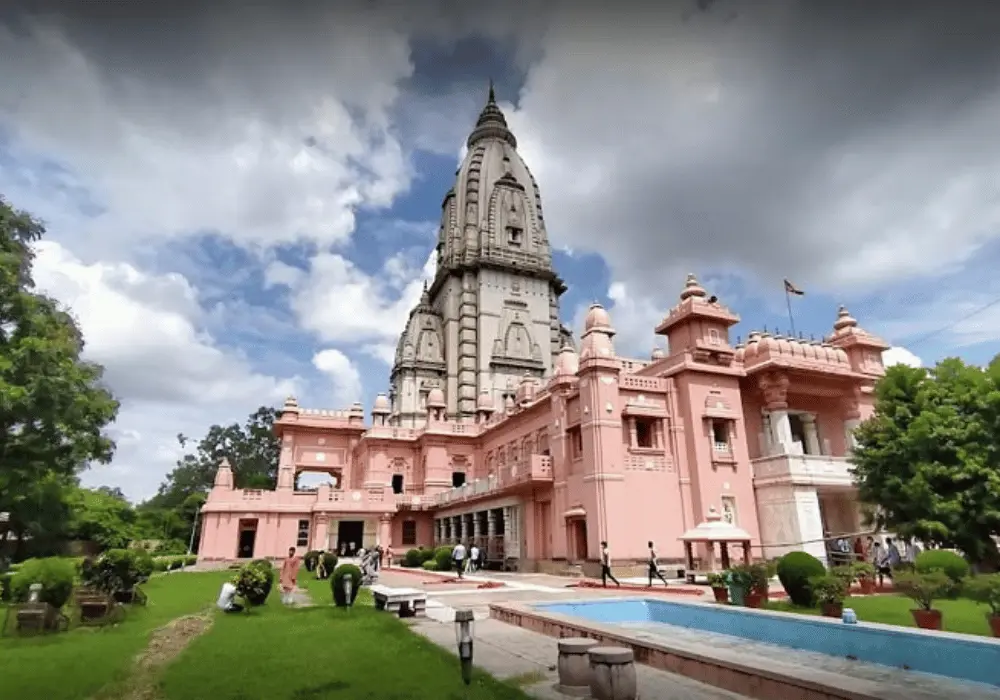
x=500, y=431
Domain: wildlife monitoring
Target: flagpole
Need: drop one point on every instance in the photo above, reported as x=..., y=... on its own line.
x=788, y=303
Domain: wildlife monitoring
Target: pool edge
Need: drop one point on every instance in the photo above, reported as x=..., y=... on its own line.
x=716, y=669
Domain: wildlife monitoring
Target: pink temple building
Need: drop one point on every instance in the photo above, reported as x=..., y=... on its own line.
x=502, y=430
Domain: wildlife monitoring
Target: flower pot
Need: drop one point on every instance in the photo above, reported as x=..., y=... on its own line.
x=927, y=619
x=994, y=621
x=754, y=599
x=832, y=609
x=867, y=586
x=721, y=595
x=763, y=592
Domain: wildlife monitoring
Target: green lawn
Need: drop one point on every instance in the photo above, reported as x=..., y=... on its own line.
x=960, y=615
x=323, y=652
x=76, y=664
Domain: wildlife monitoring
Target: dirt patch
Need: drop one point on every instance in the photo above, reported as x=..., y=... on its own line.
x=164, y=646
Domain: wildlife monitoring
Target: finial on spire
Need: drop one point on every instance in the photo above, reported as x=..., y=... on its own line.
x=492, y=99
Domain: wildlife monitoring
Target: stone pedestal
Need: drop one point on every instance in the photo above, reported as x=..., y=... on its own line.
x=574, y=666
x=612, y=673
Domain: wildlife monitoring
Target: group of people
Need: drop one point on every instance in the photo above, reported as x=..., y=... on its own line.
x=652, y=566
x=467, y=560
x=883, y=558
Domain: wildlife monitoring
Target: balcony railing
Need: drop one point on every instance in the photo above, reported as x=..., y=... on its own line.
x=815, y=470
x=538, y=470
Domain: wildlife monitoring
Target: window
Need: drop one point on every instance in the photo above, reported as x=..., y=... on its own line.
x=409, y=532
x=515, y=236
x=645, y=433
x=575, y=443
x=457, y=479
x=303, y=538
x=720, y=435
x=397, y=483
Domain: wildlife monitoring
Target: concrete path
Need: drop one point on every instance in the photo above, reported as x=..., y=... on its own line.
x=508, y=652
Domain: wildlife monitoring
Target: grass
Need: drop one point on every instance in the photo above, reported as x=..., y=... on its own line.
x=78, y=663
x=321, y=652
x=961, y=615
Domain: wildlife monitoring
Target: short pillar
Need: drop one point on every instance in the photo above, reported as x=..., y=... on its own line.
x=612, y=673
x=574, y=666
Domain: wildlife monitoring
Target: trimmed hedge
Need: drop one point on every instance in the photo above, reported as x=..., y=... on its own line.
x=794, y=571
x=954, y=565
x=442, y=557
x=337, y=584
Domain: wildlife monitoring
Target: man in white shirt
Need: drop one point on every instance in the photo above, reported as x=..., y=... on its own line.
x=226, y=596
x=473, y=559
x=654, y=567
x=458, y=555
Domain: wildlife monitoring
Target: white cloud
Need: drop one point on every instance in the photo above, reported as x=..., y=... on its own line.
x=340, y=303
x=343, y=375
x=900, y=356
x=667, y=137
x=171, y=376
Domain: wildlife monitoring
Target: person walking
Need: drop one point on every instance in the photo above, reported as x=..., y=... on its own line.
x=654, y=568
x=606, y=566
x=458, y=557
x=289, y=575
x=473, y=559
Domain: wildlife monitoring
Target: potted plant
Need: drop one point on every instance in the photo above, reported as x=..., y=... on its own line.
x=719, y=587
x=864, y=574
x=985, y=589
x=924, y=589
x=829, y=591
x=738, y=578
x=759, y=580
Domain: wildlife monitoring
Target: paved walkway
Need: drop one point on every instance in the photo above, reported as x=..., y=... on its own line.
x=510, y=652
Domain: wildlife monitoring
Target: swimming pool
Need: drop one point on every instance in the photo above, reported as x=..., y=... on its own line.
x=969, y=659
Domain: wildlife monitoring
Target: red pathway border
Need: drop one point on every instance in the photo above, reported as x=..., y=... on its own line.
x=669, y=590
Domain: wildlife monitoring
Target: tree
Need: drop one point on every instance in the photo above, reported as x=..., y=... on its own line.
x=53, y=406
x=100, y=515
x=929, y=457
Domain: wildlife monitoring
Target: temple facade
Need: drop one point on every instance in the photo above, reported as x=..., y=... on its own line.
x=500, y=431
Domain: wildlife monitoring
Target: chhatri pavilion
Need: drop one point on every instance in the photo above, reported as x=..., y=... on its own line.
x=504, y=430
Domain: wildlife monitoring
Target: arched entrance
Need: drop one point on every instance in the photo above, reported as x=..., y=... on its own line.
x=576, y=534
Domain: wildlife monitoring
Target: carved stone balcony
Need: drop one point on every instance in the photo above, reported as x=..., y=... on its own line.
x=803, y=470
x=509, y=479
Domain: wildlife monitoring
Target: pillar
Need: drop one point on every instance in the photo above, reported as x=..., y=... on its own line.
x=320, y=537
x=811, y=436
x=850, y=426
x=476, y=526
x=632, y=432
x=385, y=531
x=782, y=431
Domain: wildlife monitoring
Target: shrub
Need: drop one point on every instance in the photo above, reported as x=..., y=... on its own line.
x=794, y=571
x=429, y=565
x=5, y=587
x=329, y=562
x=56, y=574
x=760, y=577
x=310, y=559
x=426, y=554
x=831, y=588
x=117, y=570
x=846, y=573
x=739, y=577
x=254, y=581
x=949, y=563
x=413, y=558
x=985, y=589
x=863, y=570
x=717, y=580
x=442, y=557
x=167, y=547
x=190, y=559
x=924, y=589
x=337, y=583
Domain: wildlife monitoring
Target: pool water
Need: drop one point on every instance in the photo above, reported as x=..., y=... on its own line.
x=972, y=659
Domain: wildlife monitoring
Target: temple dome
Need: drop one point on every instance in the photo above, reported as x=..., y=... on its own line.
x=423, y=339
x=435, y=399
x=382, y=405
x=598, y=319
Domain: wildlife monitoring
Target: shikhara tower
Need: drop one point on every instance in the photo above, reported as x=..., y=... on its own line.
x=491, y=315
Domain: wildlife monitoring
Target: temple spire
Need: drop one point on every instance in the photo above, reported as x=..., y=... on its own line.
x=492, y=99
x=491, y=122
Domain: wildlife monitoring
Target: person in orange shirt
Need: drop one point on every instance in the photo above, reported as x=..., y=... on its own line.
x=289, y=575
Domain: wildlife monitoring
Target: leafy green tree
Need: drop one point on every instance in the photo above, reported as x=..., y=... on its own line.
x=102, y=516
x=53, y=406
x=929, y=457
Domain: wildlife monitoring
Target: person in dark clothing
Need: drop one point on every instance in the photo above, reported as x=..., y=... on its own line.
x=606, y=566
x=654, y=569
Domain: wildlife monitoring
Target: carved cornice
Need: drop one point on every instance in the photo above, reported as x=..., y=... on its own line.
x=774, y=389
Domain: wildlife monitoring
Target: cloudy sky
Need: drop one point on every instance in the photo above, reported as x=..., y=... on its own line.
x=241, y=201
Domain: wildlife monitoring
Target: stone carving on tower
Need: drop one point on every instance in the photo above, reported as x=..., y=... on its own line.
x=495, y=294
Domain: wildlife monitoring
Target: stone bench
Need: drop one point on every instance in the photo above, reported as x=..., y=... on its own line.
x=405, y=602
x=574, y=666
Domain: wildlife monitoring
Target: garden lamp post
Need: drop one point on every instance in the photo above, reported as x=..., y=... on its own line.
x=348, y=584
x=194, y=529
x=463, y=636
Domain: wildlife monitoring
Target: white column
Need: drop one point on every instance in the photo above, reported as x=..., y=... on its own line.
x=782, y=429
x=810, y=522
x=812, y=437
x=849, y=427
